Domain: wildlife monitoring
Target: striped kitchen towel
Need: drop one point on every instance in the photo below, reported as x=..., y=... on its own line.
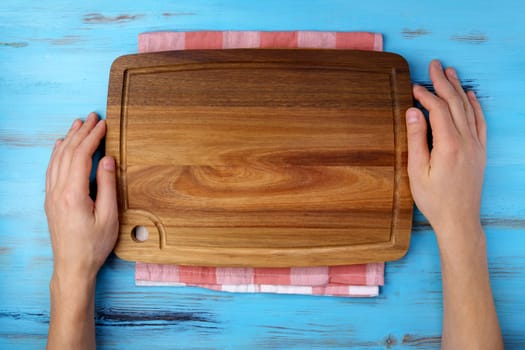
x=350, y=281
x=166, y=41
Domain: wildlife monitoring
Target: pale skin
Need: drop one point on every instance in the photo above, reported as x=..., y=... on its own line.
x=83, y=232
x=446, y=186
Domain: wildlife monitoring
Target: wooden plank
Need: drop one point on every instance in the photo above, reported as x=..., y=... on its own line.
x=54, y=67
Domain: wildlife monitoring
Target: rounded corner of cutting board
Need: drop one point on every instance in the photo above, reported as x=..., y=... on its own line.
x=121, y=62
x=398, y=58
x=122, y=253
x=399, y=251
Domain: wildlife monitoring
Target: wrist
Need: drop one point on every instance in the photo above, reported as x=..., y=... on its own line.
x=461, y=241
x=72, y=288
x=454, y=230
x=76, y=271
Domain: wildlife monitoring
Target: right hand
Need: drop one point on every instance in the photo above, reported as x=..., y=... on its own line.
x=446, y=183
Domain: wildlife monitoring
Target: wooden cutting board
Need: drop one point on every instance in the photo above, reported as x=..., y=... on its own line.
x=261, y=157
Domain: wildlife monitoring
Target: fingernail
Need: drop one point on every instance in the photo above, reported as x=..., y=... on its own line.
x=109, y=164
x=76, y=124
x=93, y=116
x=417, y=87
x=438, y=64
x=100, y=123
x=453, y=73
x=412, y=116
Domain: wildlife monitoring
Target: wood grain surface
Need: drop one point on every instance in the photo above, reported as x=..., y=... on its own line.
x=55, y=60
x=261, y=157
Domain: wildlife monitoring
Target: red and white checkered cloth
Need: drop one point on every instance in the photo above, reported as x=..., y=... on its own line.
x=349, y=281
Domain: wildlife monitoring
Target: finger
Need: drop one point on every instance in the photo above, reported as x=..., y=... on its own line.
x=50, y=174
x=447, y=92
x=70, y=144
x=443, y=128
x=86, y=127
x=481, y=125
x=81, y=164
x=418, y=153
x=92, y=140
x=456, y=83
x=77, y=124
x=106, y=209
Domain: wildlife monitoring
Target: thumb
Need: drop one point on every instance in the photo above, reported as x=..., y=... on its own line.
x=106, y=202
x=418, y=153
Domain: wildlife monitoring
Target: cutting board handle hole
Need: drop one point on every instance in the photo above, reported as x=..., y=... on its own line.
x=140, y=234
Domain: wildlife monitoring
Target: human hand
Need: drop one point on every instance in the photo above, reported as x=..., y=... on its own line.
x=446, y=185
x=83, y=232
x=446, y=182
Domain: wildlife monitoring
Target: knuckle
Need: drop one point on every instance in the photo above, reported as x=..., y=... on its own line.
x=442, y=104
x=81, y=152
x=454, y=98
x=70, y=198
x=77, y=153
x=452, y=148
x=80, y=158
x=66, y=153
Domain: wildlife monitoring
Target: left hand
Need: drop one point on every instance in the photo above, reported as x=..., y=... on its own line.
x=83, y=232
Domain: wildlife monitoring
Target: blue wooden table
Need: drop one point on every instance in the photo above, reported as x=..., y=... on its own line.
x=54, y=64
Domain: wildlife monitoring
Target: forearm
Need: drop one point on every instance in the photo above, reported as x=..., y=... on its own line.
x=72, y=314
x=470, y=320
